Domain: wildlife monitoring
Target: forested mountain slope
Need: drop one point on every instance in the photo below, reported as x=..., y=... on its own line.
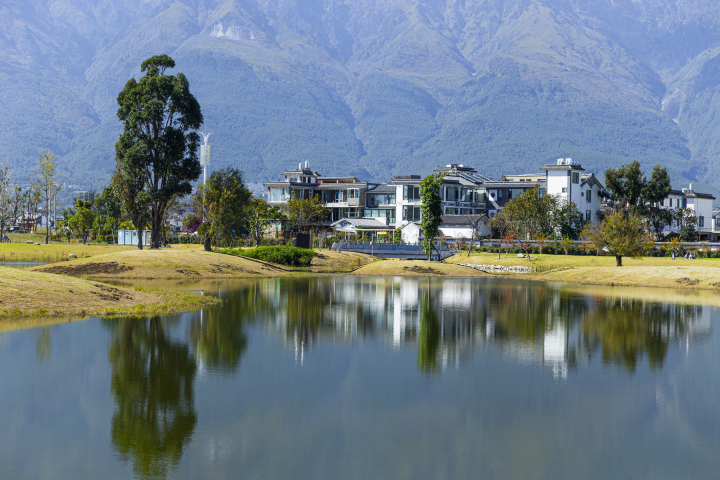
x=375, y=87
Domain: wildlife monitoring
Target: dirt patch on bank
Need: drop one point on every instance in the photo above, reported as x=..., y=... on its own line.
x=423, y=270
x=85, y=269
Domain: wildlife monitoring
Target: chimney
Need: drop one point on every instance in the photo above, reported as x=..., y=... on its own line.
x=299, y=166
x=306, y=164
x=691, y=189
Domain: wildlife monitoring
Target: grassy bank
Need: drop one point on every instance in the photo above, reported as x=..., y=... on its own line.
x=178, y=263
x=417, y=268
x=35, y=294
x=591, y=270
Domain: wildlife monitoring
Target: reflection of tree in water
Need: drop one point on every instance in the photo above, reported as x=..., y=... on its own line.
x=623, y=330
x=428, y=337
x=152, y=381
x=218, y=334
x=43, y=344
x=627, y=330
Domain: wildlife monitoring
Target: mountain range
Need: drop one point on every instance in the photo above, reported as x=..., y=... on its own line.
x=375, y=87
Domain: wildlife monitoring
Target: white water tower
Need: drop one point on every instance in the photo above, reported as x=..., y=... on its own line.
x=205, y=154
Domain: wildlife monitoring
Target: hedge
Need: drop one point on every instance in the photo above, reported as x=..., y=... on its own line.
x=284, y=255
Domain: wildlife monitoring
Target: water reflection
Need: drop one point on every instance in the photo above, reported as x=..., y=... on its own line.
x=155, y=362
x=449, y=319
x=153, y=386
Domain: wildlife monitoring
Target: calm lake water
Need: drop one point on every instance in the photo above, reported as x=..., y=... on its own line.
x=372, y=378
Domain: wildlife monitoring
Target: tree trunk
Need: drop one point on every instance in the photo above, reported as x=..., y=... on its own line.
x=140, y=239
x=47, y=222
x=618, y=260
x=206, y=244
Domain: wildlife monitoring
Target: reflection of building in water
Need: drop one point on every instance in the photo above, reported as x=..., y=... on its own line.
x=533, y=323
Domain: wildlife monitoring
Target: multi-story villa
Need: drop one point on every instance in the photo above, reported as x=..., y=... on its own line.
x=465, y=194
x=345, y=196
x=463, y=191
x=701, y=205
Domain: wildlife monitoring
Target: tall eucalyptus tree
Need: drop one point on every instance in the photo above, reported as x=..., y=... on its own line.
x=159, y=142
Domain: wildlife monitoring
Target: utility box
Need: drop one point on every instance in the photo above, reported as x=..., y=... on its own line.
x=302, y=240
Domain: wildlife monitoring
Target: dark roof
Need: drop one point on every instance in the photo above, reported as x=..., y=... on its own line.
x=383, y=188
x=513, y=184
x=691, y=194
x=406, y=179
x=460, y=220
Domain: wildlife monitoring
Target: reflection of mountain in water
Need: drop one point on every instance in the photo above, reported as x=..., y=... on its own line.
x=532, y=322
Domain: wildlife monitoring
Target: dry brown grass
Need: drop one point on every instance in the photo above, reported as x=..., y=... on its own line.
x=191, y=263
x=25, y=294
x=641, y=276
x=417, y=268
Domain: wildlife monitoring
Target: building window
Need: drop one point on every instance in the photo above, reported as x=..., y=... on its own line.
x=411, y=193
x=542, y=191
x=588, y=197
x=279, y=194
x=381, y=199
x=352, y=212
x=466, y=195
x=354, y=193
x=500, y=194
x=479, y=196
x=388, y=213
x=701, y=221
x=451, y=194
x=411, y=214
x=684, y=202
x=575, y=177
x=451, y=211
x=588, y=215
x=564, y=190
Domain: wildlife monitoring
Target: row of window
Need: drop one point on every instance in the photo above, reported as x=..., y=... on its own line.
x=668, y=202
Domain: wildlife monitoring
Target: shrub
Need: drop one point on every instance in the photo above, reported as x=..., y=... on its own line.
x=283, y=255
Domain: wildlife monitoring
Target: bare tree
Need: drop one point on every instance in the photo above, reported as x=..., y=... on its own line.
x=46, y=186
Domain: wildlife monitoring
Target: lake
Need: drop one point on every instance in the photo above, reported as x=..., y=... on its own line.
x=373, y=378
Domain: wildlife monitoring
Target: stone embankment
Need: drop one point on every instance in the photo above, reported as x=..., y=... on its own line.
x=499, y=268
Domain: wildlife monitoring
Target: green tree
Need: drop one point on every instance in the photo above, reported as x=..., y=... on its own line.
x=431, y=210
x=625, y=184
x=225, y=198
x=45, y=185
x=621, y=234
x=109, y=212
x=159, y=142
x=566, y=219
x=133, y=200
x=685, y=217
x=259, y=216
x=397, y=234
x=81, y=220
x=527, y=216
x=306, y=213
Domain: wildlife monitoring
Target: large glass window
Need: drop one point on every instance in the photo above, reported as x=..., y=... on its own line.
x=451, y=211
x=479, y=196
x=575, y=177
x=376, y=199
x=466, y=195
x=411, y=193
x=279, y=194
x=411, y=214
x=388, y=213
x=515, y=192
x=353, y=193
x=451, y=194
